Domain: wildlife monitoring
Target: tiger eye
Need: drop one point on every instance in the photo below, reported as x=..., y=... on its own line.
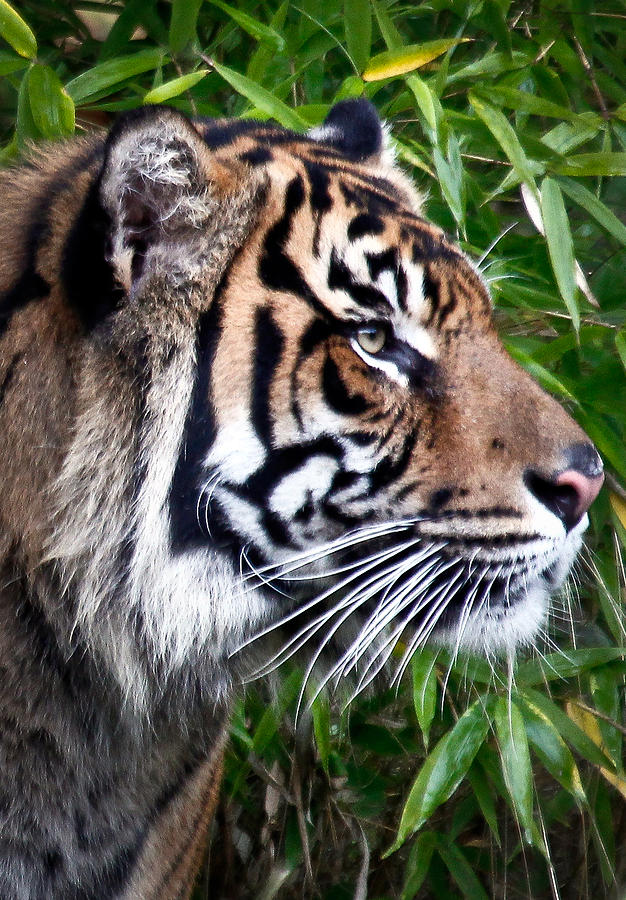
x=372, y=340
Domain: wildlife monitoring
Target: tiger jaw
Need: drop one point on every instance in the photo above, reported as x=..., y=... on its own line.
x=372, y=588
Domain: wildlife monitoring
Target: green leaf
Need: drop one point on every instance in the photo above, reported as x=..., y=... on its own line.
x=445, y=768
x=490, y=64
x=485, y=797
x=601, y=213
x=271, y=718
x=174, y=87
x=515, y=759
x=606, y=689
x=262, y=98
x=522, y=101
x=545, y=378
x=565, y=664
x=109, y=74
x=427, y=102
x=461, y=871
x=52, y=110
x=352, y=86
x=357, y=22
x=16, y=32
x=606, y=163
x=320, y=710
x=504, y=134
x=253, y=27
x=390, y=34
x=9, y=62
x=552, y=750
x=620, y=344
x=25, y=129
x=568, y=730
x=560, y=245
x=418, y=864
x=424, y=688
x=401, y=60
x=183, y=23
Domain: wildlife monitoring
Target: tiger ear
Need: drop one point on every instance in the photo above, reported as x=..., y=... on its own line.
x=163, y=192
x=354, y=128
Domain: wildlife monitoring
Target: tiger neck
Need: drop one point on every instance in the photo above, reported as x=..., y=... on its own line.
x=126, y=803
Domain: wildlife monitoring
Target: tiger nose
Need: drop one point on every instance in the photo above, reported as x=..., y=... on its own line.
x=570, y=491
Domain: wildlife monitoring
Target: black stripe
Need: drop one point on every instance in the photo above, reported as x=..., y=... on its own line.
x=319, y=180
x=269, y=343
x=384, y=261
x=365, y=223
x=198, y=435
x=391, y=468
x=258, y=156
x=87, y=277
x=337, y=394
x=30, y=285
x=340, y=278
x=276, y=269
x=315, y=334
x=282, y=462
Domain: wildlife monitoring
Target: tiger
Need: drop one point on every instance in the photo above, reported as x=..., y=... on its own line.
x=252, y=403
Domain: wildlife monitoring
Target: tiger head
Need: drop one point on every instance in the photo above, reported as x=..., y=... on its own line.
x=292, y=406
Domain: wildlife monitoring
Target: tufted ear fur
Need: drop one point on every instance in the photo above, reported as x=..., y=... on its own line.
x=353, y=127
x=163, y=191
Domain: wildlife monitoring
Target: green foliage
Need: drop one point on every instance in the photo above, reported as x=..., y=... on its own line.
x=512, y=119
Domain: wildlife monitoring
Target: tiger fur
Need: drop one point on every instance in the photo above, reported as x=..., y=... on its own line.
x=243, y=382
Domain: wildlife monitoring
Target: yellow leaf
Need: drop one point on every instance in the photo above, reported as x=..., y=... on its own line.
x=619, y=507
x=406, y=59
x=589, y=724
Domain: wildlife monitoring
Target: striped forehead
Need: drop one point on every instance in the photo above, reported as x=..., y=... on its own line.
x=353, y=233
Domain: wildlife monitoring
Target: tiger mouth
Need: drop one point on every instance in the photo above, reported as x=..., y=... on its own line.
x=468, y=594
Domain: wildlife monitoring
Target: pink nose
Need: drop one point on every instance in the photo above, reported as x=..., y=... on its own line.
x=570, y=492
x=582, y=491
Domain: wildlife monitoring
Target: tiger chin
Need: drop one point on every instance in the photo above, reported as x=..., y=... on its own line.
x=244, y=384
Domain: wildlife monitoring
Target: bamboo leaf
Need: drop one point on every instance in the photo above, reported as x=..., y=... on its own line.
x=560, y=245
x=568, y=730
x=320, y=710
x=504, y=134
x=262, y=98
x=109, y=74
x=601, y=213
x=357, y=21
x=619, y=507
x=175, y=87
x=52, y=109
x=565, y=664
x=444, y=769
x=606, y=163
x=552, y=750
x=461, y=871
x=258, y=30
x=589, y=724
x=16, y=32
x=391, y=35
x=515, y=759
x=401, y=60
x=418, y=864
x=183, y=23
x=424, y=688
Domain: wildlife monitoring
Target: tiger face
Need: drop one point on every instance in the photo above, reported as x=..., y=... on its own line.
x=376, y=455
x=279, y=398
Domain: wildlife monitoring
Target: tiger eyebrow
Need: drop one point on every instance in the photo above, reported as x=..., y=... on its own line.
x=340, y=277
